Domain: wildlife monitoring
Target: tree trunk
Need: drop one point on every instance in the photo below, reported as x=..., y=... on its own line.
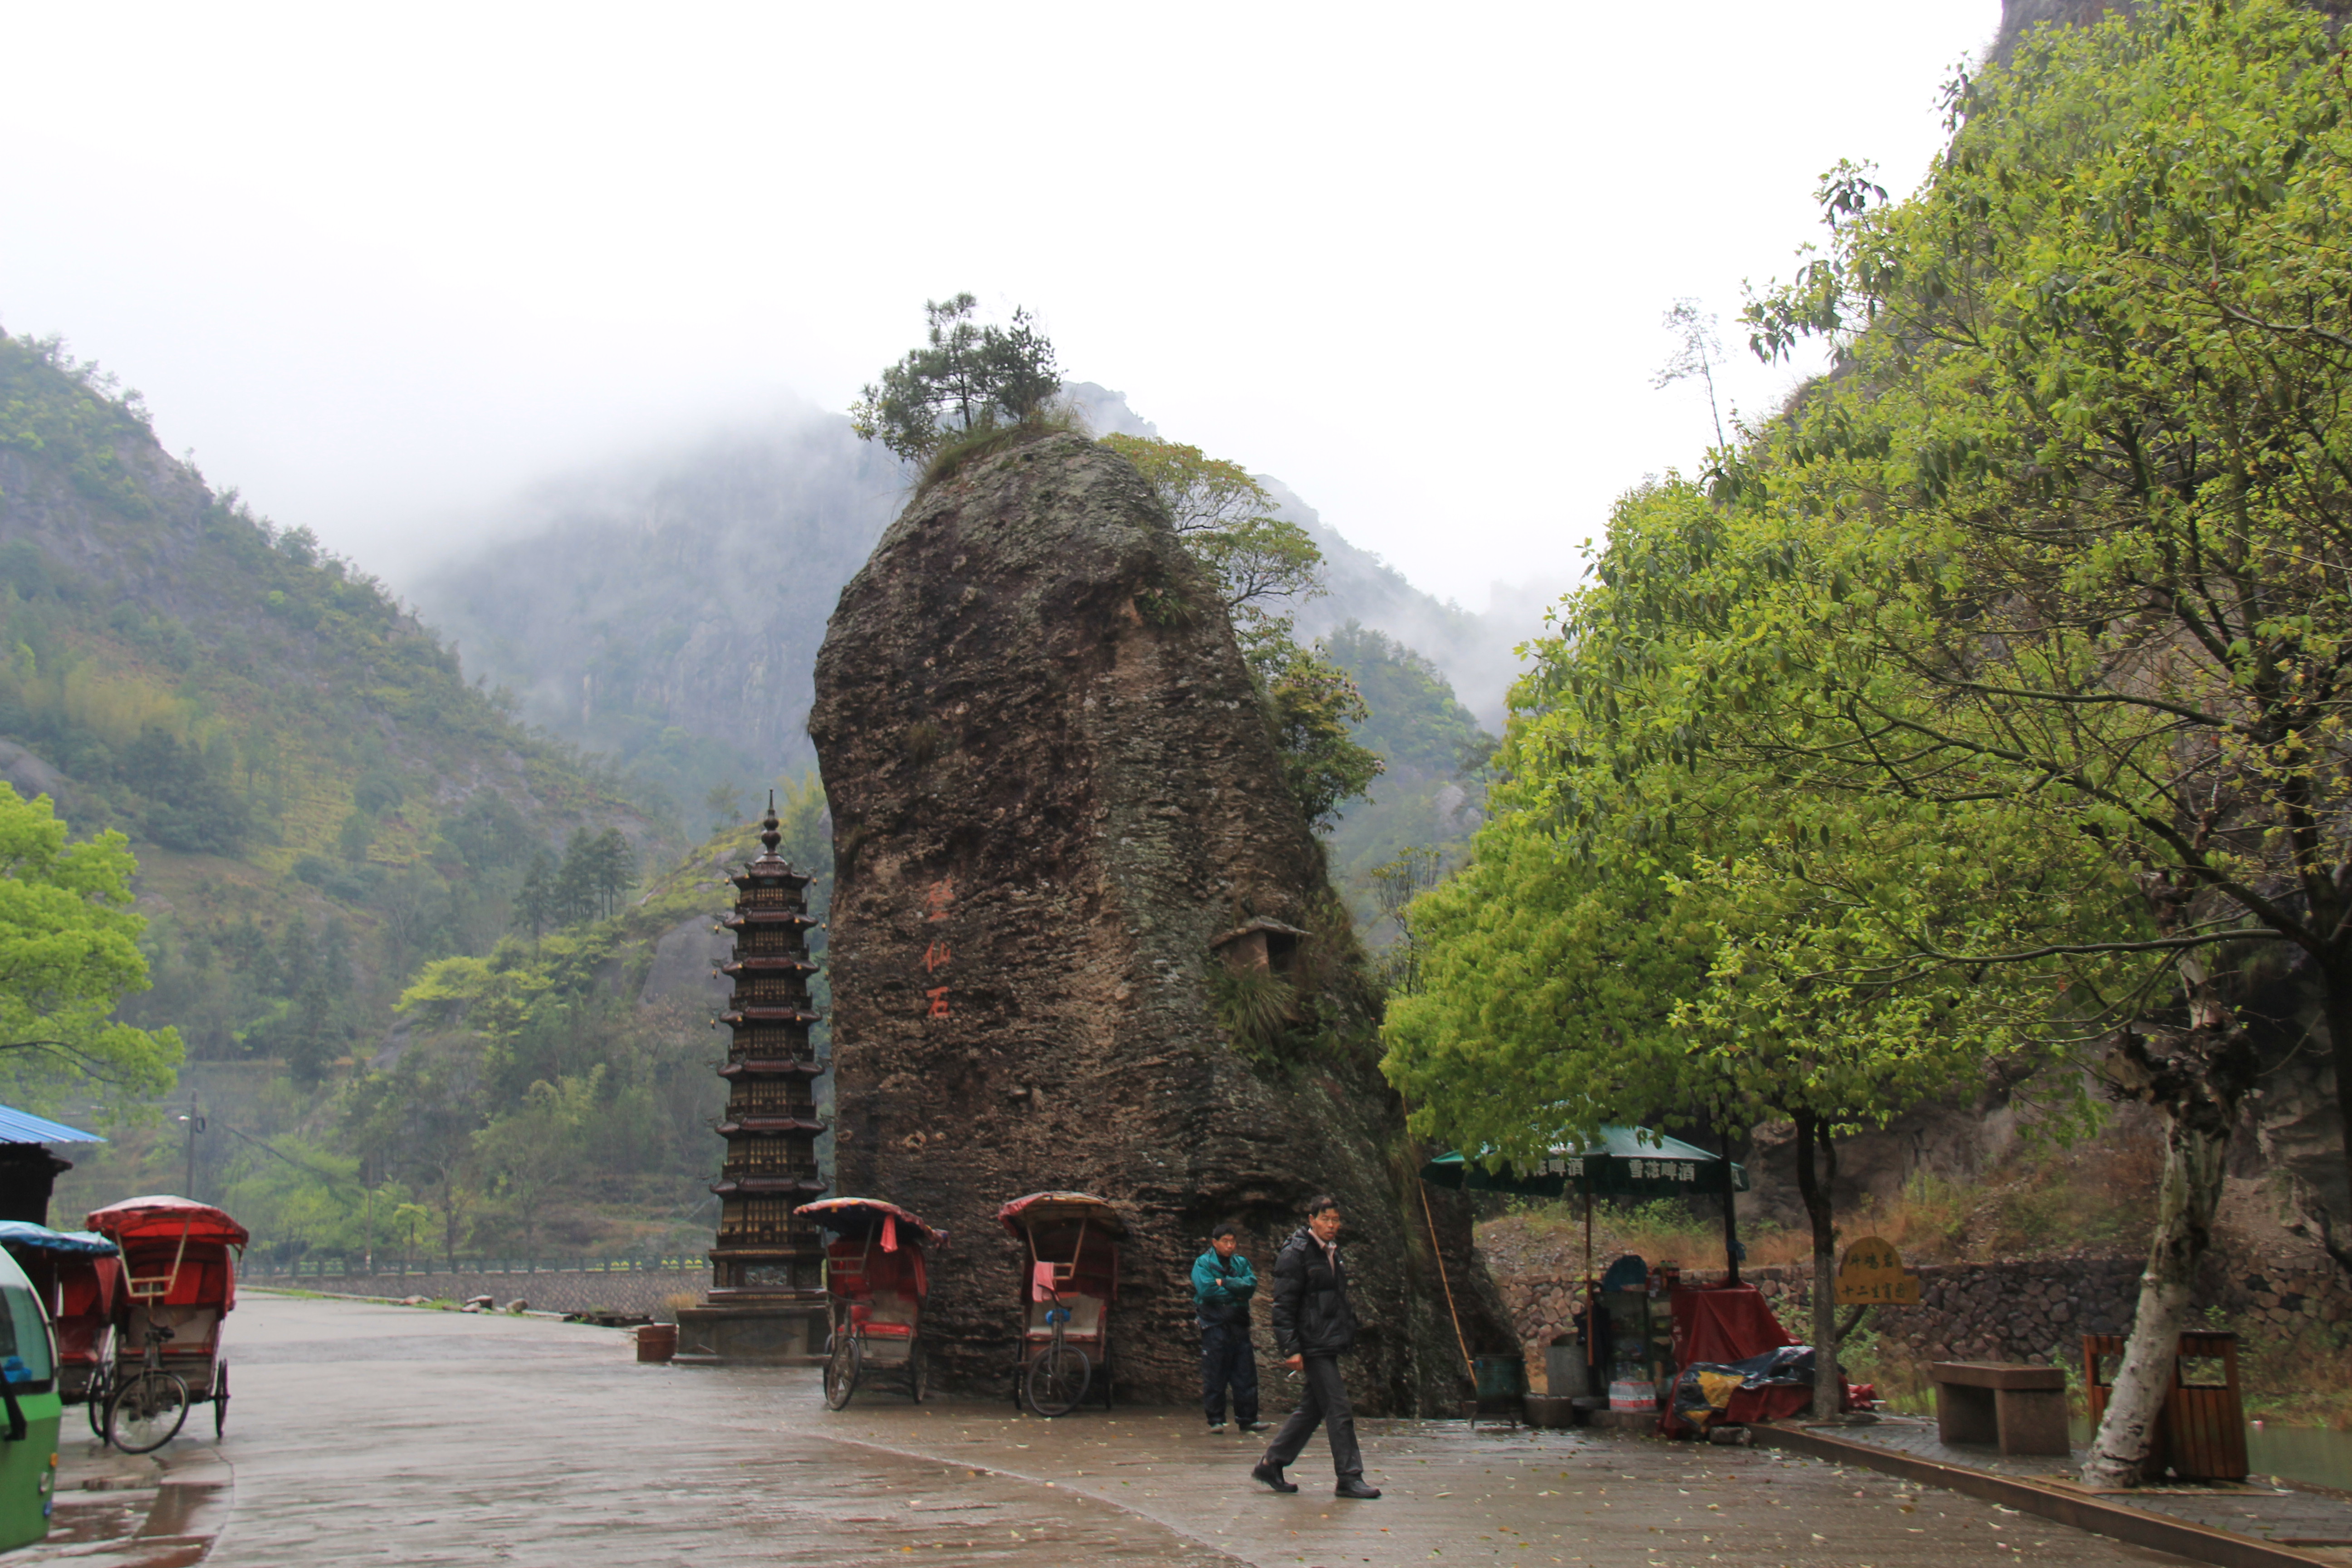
x=2336, y=983
x=2197, y=1089
x=1829, y=1385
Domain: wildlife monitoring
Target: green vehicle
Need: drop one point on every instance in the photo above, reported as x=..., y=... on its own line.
x=29, y=1395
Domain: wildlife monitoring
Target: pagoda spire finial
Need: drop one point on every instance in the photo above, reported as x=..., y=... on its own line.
x=769, y=836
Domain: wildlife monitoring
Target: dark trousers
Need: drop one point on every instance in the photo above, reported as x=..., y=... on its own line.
x=1324, y=1403
x=1226, y=1358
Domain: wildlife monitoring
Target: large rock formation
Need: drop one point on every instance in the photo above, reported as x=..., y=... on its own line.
x=1053, y=793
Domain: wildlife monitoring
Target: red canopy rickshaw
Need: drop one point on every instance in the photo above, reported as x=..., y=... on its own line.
x=179, y=1279
x=876, y=1279
x=1069, y=1280
x=78, y=1274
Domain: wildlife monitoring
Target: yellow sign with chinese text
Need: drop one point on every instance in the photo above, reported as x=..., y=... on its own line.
x=1871, y=1274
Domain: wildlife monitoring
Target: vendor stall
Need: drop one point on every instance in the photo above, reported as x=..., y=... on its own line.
x=1628, y=1337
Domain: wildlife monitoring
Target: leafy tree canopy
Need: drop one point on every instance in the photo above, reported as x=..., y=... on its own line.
x=69, y=953
x=965, y=378
x=1413, y=718
x=2024, y=638
x=1228, y=522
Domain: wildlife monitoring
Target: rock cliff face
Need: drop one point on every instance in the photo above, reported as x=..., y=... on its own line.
x=1052, y=793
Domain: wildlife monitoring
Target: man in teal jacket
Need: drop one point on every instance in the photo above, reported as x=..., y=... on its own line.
x=1222, y=1287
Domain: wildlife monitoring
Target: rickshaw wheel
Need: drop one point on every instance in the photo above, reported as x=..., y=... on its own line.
x=94, y=1403
x=220, y=1400
x=919, y=1372
x=147, y=1411
x=841, y=1363
x=1058, y=1380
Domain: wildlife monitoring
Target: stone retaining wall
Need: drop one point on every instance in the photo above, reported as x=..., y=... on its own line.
x=547, y=1290
x=1968, y=1311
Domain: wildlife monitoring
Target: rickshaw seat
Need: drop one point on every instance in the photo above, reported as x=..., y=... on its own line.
x=79, y=1338
x=193, y=1329
x=888, y=1312
x=1086, y=1318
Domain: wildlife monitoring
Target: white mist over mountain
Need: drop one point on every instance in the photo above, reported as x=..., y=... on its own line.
x=379, y=267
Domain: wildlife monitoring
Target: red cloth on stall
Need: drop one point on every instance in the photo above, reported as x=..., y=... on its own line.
x=1726, y=1324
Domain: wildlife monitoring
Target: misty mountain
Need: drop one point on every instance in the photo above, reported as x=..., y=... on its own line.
x=310, y=786
x=666, y=611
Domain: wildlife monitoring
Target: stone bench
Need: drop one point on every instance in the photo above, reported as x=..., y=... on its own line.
x=2021, y=1409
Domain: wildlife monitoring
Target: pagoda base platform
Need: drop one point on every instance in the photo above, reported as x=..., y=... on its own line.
x=783, y=1330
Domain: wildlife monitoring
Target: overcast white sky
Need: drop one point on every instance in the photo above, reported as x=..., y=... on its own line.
x=381, y=265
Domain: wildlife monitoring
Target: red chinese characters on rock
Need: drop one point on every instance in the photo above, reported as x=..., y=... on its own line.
x=938, y=899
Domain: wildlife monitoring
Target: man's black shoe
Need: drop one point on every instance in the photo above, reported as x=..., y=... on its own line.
x=1354, y=1487
x=1272, y=1475
x=1253, y=1427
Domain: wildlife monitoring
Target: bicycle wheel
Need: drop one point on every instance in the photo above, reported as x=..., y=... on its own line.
x=918, y=1372
x=220, y=1400
x=841, y=1363
x=94, y=1403
x=1058, y=1380
x=147, y=1411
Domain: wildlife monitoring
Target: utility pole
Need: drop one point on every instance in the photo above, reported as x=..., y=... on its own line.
x=195, y=1125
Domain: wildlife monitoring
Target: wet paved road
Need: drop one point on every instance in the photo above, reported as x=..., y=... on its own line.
x=369, y=1434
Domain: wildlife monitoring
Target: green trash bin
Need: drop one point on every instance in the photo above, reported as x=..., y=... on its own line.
x=1502, y=1384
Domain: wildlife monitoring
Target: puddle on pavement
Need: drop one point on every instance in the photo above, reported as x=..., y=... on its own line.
x=181, y=1510
x=76, y=1522
x=2320, y=1455
x=2316, y=1455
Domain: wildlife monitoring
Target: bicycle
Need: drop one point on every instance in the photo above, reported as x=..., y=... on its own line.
x=1059, y=1371
x=844, y=1352
x=147, y=1409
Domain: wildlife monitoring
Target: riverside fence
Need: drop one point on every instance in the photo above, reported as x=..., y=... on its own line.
x=650, y=1286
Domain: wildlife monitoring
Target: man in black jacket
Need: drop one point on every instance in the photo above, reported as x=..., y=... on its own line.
x=1313, y=1327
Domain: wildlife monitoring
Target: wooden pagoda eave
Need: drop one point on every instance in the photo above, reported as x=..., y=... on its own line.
x=739, y=919
x=756, y=1126
x=772, y=1066
x=744, y=1017
x=759, y=876
x=726, y=1186
x=756, y=963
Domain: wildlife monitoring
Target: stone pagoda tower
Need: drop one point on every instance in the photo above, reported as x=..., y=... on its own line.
x=767, y=1289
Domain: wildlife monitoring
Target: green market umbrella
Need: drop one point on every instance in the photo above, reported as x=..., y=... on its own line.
x=1625, y=1162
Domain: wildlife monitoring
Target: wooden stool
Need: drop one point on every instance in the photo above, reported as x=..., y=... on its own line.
x=2021, y=1408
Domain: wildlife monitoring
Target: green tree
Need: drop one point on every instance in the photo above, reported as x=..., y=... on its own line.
x=966, y=378
x=1662, y=923
x=69, y=950
x=2084, y=482
x=1229, y=523
x=358, y=832
x=1226, y=520
x=535, y=907
x=574, y=891
x=1415, y=722
x=1314, y=710
x=533, y=1151
x=614, y=870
